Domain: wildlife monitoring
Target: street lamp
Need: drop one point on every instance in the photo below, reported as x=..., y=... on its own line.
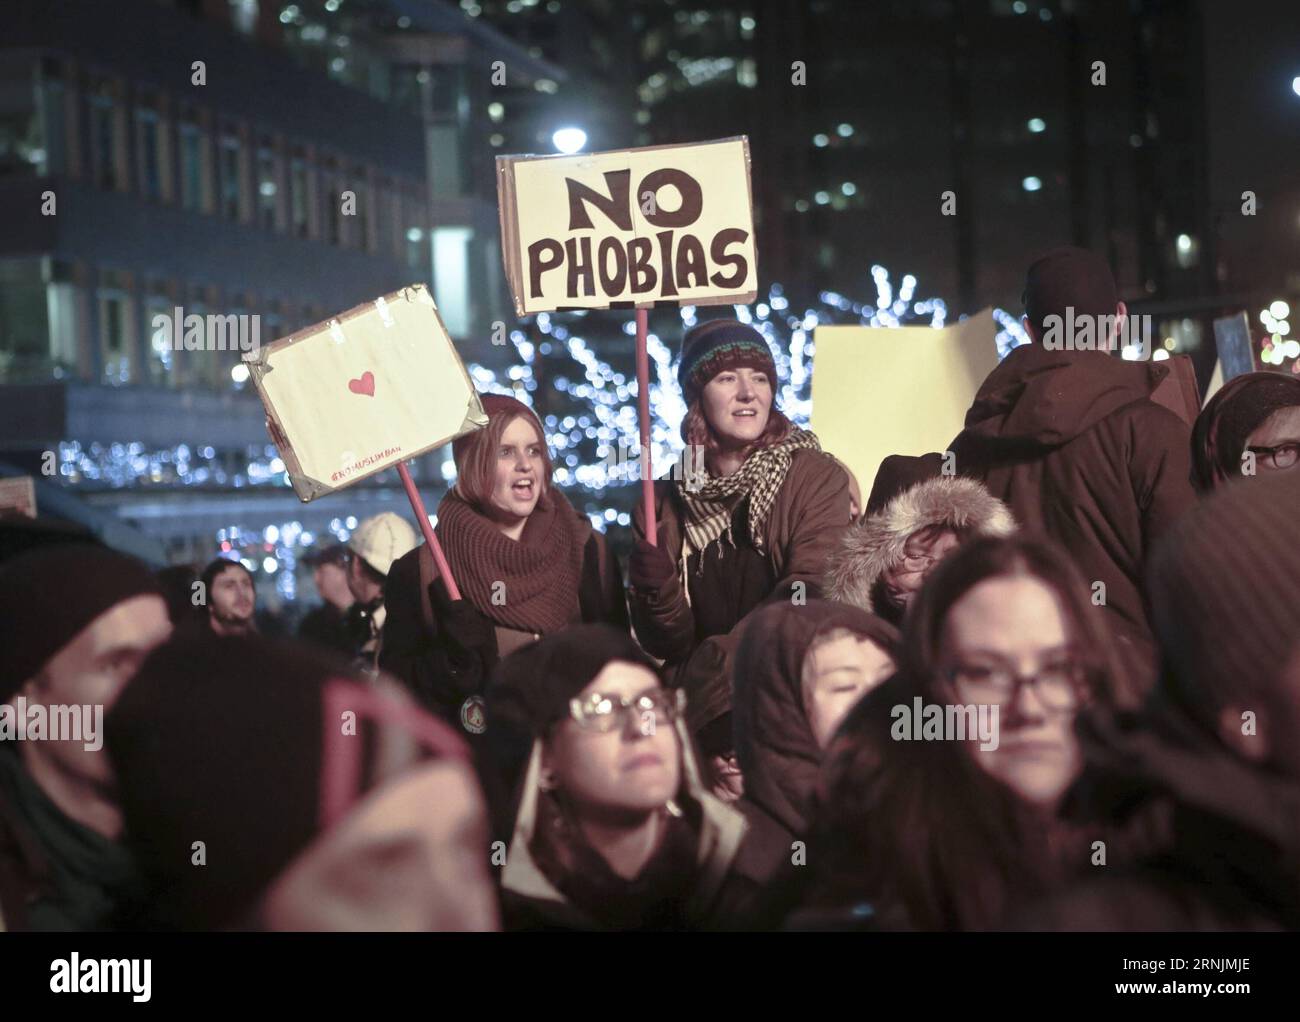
x=569, y=140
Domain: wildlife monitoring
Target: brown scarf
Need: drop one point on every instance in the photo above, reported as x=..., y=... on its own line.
x=540, y=572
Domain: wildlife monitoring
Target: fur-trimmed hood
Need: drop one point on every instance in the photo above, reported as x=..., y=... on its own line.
x=874, y=544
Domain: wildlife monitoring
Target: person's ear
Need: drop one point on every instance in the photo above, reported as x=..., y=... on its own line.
x=1244, y=733
x=1029, y=329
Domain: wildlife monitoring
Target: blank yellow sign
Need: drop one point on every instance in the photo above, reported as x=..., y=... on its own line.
x=878, y=391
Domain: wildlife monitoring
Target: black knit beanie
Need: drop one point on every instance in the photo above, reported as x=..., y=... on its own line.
x=1068, y=277
x=49, y=595
x=246, y=744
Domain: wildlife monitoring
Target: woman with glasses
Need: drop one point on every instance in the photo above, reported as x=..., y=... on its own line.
x=951, y=831
x=609, y=824
x=1250, y=427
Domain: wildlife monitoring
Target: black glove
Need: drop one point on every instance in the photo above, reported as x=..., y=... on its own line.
x=468, y=633
x=649, y=567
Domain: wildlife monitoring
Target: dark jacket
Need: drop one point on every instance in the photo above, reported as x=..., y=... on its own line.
x=877, y=543
x=1071, y=442
x=414, y=645
x=779, y=757
x=810, y=513
x=1220, y=839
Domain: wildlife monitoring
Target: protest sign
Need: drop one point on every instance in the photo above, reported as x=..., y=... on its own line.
x=629, y=227
x=1235, y=347
x=364, y=391
x=879, y=391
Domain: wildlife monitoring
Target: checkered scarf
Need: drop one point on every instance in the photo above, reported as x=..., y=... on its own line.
x=709, y=506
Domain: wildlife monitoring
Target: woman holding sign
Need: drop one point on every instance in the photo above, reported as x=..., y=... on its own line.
x=526, y=562
x=756, y=524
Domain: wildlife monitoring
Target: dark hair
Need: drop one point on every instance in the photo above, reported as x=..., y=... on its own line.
x=216, y=567
x=476, y=458
x=988, y=557
x=369, y=572
x=919, y=829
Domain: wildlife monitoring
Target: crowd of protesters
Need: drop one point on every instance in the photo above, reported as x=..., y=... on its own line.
x=1047, y=679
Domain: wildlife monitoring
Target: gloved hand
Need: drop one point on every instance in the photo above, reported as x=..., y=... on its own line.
x=466, y=631
x=649, y=567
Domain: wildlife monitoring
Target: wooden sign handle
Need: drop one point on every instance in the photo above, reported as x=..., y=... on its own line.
x=422, y=517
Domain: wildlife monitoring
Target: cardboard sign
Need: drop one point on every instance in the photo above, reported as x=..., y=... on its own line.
x=879, y=391
x=628, y=228
x=364, y=391
x=1236, y=349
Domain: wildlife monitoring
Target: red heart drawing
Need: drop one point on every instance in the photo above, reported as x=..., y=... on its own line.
x=365, y=385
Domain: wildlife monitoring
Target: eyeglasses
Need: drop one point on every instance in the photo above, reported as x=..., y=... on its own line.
x=1058, y=686
x=1281, y=456
x=604, y=713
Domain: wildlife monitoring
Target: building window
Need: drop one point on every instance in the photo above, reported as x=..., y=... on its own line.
x=148, y=139
x=103, y=140
x=25, y=328
x=332, y=197
x=361, y=222
x=159, y=341
x=115, y=351
x=298, y=188
x=54, y=134
x=268, y=176
x=192, y=150
x=22, y=148
x=231, y=183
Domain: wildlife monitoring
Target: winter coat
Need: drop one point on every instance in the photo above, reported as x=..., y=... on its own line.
x=1222, y=844
x=810, y=513
x=779, y=757
x=875, y=544
x=713, y=898
x=1073, y=444
x=415, y=651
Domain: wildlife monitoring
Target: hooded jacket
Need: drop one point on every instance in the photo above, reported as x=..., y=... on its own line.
x=685, y=885
x=532, y=900
x=779, y=756
x=1221, y=838
x=875, y=544
x=1072, y=443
